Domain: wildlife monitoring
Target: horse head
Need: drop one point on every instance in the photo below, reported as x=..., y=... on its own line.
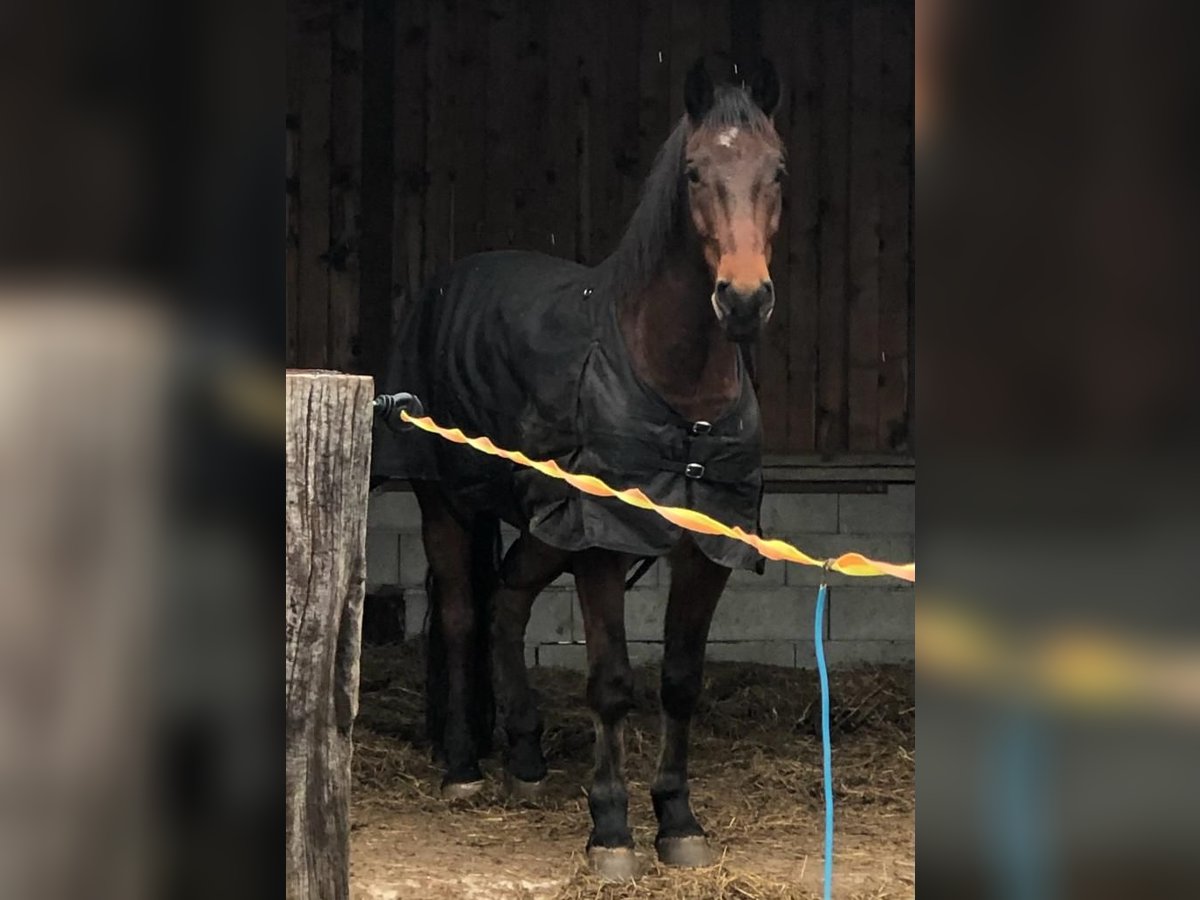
x=734, y=166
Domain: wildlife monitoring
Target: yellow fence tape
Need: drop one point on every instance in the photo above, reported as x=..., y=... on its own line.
x=1076, y=669
x=847, y=564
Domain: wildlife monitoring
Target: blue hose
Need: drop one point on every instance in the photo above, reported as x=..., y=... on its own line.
x=827, y=755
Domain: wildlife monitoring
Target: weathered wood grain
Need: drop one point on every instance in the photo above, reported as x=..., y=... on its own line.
x=328, y=449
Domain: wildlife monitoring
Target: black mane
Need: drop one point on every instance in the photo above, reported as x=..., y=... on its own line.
x=656, y=223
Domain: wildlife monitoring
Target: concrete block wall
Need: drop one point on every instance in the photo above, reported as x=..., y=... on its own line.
x=764, y=619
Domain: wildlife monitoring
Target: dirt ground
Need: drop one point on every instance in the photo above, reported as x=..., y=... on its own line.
x=756, y=787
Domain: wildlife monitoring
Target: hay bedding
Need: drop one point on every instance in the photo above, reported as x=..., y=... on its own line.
x=756, y=786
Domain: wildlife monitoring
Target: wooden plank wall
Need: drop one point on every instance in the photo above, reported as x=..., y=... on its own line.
x=420, y=131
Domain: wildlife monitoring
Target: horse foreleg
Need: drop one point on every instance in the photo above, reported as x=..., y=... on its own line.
x=529, y=567
x=448, y=549
x=696, y=586
x=599, y=576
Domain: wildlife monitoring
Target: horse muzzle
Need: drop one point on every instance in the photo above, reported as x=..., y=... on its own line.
x=741, y=312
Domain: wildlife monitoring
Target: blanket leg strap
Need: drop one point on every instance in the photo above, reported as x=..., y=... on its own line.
x=642, y=568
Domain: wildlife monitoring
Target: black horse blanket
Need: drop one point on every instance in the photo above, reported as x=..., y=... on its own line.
x=522, y=348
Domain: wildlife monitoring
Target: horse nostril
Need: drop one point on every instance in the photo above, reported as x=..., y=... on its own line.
x=769, y=289
x=722, y=287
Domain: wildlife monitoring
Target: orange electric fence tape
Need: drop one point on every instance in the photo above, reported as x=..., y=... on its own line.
x=847, y=563
x=1071, y=669
x=1075, y=670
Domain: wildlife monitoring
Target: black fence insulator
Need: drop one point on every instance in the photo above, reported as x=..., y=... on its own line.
x=389, y=406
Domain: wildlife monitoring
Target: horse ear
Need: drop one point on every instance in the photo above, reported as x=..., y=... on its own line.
x=698, y=91
x=764, y=88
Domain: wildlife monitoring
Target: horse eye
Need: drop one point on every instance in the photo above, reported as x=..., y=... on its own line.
x=693, y=175
x=779, y=173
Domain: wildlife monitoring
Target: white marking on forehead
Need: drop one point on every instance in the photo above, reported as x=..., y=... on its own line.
x=728, y=136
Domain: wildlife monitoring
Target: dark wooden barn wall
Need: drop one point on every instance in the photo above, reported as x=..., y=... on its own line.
x=423, y=130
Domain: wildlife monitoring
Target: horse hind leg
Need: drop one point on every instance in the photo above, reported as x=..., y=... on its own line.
x=696, y=586
x=436, y=686
x=599, y=576
x=529, y=567
x=484, y=580
x=453, y=641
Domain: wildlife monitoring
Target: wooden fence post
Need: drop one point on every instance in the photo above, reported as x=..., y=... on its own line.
x=328, y=460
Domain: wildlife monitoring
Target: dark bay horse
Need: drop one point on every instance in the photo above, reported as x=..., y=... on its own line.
x=633, y=371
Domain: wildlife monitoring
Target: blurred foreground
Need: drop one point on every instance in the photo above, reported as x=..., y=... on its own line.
x=139, y=601
x=140, y=418
x=1058, y=634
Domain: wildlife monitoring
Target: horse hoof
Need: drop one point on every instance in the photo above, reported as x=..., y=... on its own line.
x=530, y=791
x=614, y=863
x=692, y=851
x=461, y=790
